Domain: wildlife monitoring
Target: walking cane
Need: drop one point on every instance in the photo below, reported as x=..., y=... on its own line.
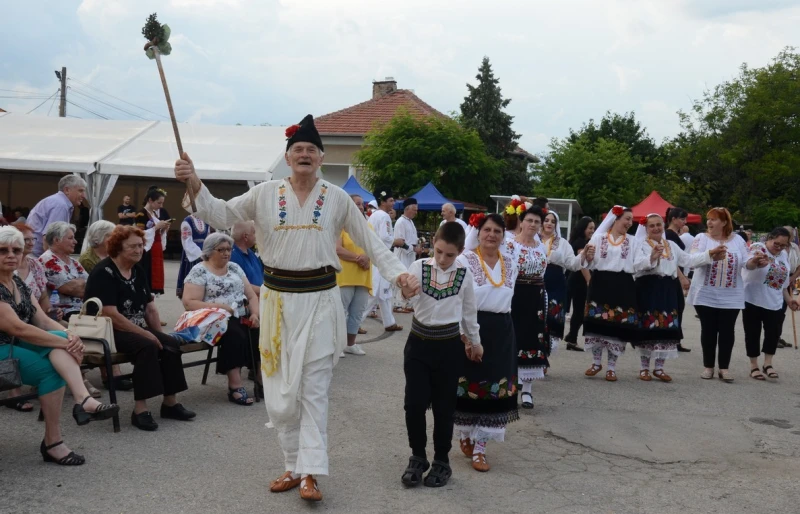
x=794, y=329
x=157, y=36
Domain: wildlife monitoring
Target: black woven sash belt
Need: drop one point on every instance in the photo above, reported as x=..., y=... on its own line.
x=308, y=281
x=434, y=333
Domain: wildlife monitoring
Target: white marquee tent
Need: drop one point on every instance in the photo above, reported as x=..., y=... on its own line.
x=102, y=150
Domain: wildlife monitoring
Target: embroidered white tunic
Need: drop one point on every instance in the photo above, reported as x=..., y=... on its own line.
x=720, y=283
x=305, y=330
x=446, y=296
x=381, y=223
x=405, y=229
x=608, y=257
x=667, y=266
x=489, y=298
x=764, y=287
x=560, y=253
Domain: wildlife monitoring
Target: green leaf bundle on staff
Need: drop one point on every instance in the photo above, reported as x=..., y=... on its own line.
x=157, y=36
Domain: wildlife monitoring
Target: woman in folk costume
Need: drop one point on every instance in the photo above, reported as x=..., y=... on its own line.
x=510, y=217
x=155, y=221
x=529, y=303
x=560, y=257
x=193, y=234
x=298, y=221
x=382, y=291
x=658, y=295
x=487, y=392
x=611, y=320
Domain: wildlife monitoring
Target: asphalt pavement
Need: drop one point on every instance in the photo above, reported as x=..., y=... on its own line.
x=589, y=445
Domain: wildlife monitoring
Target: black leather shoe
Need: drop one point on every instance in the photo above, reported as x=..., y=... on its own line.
x=120, y=384
x=682, y=348
x=144, y=421
x=177, y=411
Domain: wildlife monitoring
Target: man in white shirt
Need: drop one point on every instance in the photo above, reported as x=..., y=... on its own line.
x=382, y=291
x=407, y=253
x=449, y=214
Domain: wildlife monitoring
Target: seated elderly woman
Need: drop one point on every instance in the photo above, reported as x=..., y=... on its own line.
x=63, y=273
x=48, y=357
x=96, y=250
x=218, y=283
x=120, y=283
x=97, y=244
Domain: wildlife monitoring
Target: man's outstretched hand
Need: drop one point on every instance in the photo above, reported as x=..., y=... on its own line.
x=184, y=172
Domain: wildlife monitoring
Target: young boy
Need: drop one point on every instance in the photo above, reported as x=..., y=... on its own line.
x=445, y=321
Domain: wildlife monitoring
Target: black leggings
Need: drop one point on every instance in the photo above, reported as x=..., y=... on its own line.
x=753, y=318
x=717, y=328
x=577, y=288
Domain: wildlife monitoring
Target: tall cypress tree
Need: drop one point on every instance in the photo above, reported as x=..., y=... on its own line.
x=482, y=110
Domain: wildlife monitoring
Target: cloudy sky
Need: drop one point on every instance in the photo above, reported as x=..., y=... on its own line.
x=561, y=62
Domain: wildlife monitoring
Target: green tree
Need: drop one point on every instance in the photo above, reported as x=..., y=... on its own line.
x=740, y=144
x=626, y=130
x=408, y=152
x=483, y=111
x=599, y=174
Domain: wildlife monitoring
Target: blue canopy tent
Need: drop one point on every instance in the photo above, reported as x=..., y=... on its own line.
x=429, y=199
x=352, y=187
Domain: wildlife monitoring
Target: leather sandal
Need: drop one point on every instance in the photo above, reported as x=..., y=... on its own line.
x=527, y=401
x=361, y=331
x=611, y=376
x=594, y=370
x=479, y=462
x=393, y=328
x=645, y=375
x=309, y=491
x=103, y=411
x=284, y=483
x=770, y=374
x=72, y=459
x=467, y=447
x=659, y=374
x=243, y=398
x=756, y=374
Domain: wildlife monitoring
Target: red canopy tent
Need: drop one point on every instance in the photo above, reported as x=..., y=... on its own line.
x=655, y=204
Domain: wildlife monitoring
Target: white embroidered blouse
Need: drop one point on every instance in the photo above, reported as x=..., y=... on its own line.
x=531, y=261
x=488, y=297
x=720, y=283
x=560, y=253
x=667, y=265
x=613, y=256
x=764, y=287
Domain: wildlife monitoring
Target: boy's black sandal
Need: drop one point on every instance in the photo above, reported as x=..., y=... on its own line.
x=412, y=476
x=439, y=475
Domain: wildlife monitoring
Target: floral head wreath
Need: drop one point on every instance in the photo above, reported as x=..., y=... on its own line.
x=545, y=210
x=476, y=219
x=516, y=207
x=618, y=210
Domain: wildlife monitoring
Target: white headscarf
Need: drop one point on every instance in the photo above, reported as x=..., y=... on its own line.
x=606, y=224
x=557, y=231
x=641, y=230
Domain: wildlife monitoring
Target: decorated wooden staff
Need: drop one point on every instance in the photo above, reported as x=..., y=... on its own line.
x=157, y=36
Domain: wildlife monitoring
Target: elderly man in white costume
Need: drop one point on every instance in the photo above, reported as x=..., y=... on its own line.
x=298, y=221
x=449, y=214
x=405, y=229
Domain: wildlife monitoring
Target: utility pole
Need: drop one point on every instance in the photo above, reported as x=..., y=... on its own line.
x=62, y=106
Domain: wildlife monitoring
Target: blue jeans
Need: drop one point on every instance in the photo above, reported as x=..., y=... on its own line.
x=355, y=300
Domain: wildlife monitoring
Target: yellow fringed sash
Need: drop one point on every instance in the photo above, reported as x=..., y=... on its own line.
x=269, y=343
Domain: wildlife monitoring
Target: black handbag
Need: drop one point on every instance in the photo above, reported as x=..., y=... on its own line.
x=10, y=377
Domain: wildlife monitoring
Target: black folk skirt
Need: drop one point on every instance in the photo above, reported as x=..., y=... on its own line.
x=487, y=391
x=611, y=308
x=528, y=307
x=658, y=309
x=555, y=282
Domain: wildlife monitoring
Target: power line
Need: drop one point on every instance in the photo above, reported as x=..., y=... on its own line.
x=80, y=92
x=19, y=91
x=51, y=105
x=46, y=99
x=115, y=97
x=87, y=110
x=31, y=97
